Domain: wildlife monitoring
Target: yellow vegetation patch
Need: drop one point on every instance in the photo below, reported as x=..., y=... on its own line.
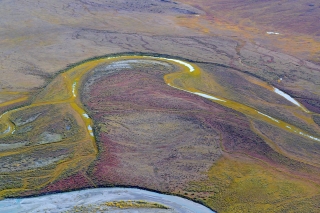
x=245, y=186
x=12, y=102
x=49, y=141
x=57, y=90
x=135, y=204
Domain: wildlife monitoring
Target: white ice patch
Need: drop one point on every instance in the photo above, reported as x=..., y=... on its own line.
x=148, y=62
x=74, y=89
x=309, y=136
x=128, y=63
x=268, y=117
x=286, y=96
x=179, y=88
x=300, y=133
x=200, y=94
x=120, y=65
x=273, y=33
x=191, y=68
x=208, y=96
x=90, y=130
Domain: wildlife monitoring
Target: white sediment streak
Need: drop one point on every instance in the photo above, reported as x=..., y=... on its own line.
x=74, y=89
x=269, y=117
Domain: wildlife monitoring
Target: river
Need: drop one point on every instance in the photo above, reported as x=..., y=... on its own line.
x=96, y=198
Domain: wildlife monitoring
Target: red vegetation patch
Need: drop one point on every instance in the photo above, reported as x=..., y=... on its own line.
x=107, y=163
x=75, y=181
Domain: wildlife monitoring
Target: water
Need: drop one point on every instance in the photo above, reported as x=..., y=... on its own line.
x=66, y=201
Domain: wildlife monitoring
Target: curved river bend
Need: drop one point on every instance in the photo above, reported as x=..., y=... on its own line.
x=66, y=201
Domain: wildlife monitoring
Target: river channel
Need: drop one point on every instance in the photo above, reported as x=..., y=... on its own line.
x=96, y=198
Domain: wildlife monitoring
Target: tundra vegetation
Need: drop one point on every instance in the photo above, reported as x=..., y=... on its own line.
x=152, y=130
x=220, y=135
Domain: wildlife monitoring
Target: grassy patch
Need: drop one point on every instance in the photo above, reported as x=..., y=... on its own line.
x=244, y=186
x=135, y=204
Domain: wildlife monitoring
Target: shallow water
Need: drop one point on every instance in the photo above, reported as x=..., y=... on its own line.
x=66, y=201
